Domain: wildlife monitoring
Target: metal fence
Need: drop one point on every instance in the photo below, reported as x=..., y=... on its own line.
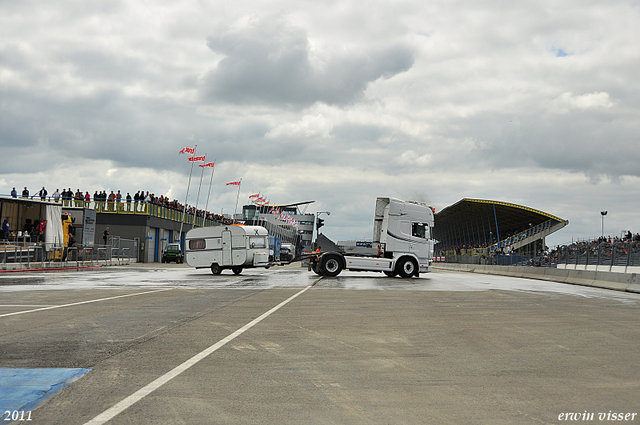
x=602, y=256
x=41, y=255
x=599, y=256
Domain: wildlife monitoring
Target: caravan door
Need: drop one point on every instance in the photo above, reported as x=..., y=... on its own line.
x=226, y=248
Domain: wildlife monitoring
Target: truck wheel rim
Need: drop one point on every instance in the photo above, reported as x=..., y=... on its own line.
x=332, y=265
x=408, y=267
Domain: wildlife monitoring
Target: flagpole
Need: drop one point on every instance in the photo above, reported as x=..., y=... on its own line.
x=210, y=181
x=237, y=198
x=184, y=212
x=198, y=196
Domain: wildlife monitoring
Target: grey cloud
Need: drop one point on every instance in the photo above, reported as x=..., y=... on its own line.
x=588, y=142
x=272, y=64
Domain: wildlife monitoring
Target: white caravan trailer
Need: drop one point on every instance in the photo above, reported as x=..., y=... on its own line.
x=401, y=237
x=227, y=247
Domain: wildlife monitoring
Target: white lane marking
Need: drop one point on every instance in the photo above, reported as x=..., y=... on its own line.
x=82, y=302
x=145, y=391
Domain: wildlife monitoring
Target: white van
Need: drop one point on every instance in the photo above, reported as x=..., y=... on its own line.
x=227, y=247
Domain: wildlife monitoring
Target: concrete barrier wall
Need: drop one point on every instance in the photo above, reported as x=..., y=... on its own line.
x=609, y=280
x=602, y=268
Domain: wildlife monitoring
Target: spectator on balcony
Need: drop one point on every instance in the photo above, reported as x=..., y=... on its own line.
x=79, y=197
x=111, y=199
x=136, y=199
x=67, y=196
x=56, y=195
x=14, y=193
x=25, y=192
x=43, y=193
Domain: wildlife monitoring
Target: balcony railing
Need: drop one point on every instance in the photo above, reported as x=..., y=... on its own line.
x=140, y=208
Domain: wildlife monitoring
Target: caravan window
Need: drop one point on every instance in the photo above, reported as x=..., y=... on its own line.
x=258, y=242
x=196, y=244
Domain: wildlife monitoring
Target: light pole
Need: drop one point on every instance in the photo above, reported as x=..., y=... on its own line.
x=603, y=213
x=319, y=223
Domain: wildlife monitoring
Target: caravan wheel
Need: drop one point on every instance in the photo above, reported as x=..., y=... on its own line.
x=216, y=269
x=237, y=270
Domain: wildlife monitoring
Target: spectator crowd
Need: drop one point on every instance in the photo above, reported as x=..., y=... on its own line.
x=119, y=202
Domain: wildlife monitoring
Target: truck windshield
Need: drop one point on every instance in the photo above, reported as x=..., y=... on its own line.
x=419, y=230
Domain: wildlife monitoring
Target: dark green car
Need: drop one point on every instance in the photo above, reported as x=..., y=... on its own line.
x=172, y=252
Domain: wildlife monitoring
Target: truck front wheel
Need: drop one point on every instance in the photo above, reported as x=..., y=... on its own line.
x=331, y=265
x=406, y=267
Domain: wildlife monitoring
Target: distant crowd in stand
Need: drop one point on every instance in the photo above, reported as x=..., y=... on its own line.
x=553, y=254
x=138, y=198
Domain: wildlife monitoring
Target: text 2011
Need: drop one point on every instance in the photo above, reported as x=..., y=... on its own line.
x=17, y=415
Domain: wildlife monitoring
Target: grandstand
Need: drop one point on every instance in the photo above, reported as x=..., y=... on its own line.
x=472, y=230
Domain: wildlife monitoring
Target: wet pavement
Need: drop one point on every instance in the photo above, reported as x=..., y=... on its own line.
x=360, y=348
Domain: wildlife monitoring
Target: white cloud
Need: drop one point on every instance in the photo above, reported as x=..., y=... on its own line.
x=567, y=102
x=313, y=128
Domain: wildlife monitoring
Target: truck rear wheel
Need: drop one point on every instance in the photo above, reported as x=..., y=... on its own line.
x=406, y=267
x=331, y=265
x=216, y=269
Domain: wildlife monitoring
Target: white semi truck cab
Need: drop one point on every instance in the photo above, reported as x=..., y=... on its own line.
x=402, y=236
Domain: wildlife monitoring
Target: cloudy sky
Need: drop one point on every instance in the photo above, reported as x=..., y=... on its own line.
x=535, y=103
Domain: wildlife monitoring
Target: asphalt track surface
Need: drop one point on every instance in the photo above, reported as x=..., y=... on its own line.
x=173, y=345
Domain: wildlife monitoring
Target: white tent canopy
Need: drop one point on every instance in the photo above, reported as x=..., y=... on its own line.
x=53, y=231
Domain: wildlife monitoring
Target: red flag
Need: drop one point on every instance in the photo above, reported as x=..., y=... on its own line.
x=188, y=150
x=233, y=183
x=210, y=164
x=257, y=195
x=196, y=158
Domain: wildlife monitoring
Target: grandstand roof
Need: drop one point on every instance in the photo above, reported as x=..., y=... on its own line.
x=475, y=219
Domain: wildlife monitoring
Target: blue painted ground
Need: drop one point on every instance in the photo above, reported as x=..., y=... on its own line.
x=24, y=389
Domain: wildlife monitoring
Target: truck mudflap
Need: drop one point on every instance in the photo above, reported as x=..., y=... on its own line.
x=425, y=267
